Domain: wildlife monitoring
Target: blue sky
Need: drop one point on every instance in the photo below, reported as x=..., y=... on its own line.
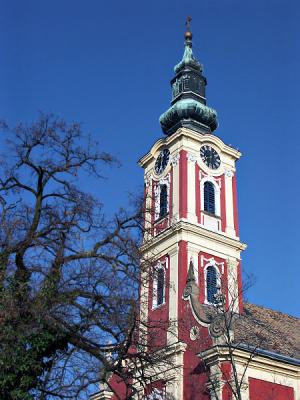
x=108, y=65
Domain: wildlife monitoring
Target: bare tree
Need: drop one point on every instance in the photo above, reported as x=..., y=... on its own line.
x=69, y=277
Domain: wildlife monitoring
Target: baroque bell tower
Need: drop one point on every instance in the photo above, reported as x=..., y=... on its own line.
x=192, y=231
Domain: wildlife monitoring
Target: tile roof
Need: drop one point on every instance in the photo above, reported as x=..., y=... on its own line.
x=269, y=330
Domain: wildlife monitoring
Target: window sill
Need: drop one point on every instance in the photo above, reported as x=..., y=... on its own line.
x=159, y=306
x=161, y=219
x=211, y=214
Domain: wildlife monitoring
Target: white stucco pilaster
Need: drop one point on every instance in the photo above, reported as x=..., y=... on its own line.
x=233, y=292
x=229, y=204
x=172, y=335
x=175, y=200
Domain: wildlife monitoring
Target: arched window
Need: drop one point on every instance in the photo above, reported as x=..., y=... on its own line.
x=160, y=286
x=209, y=197
x=211, y=284
x=163, y=201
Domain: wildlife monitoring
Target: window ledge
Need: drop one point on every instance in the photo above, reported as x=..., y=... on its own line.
x=159, y=306
x=161, y=219
x=211, y=214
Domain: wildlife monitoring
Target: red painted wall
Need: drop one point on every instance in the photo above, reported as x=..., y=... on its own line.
x=262, y=390
x=118, y=386
x=235, y=210
x=194, y=374
x=158, y=317
x=182, y=275
x=240, y=287
x=226, y=377
x=223, y=204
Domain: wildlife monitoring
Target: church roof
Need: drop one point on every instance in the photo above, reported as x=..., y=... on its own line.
x=269, y=330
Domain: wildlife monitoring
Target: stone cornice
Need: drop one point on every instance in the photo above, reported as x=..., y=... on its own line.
x=256, y=360
x=187, y=227
x=190, y=134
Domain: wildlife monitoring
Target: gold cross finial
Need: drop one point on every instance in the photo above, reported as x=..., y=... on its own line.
x=188, y=34
x=188, y=23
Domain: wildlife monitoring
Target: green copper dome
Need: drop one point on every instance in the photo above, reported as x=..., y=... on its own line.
x=190, y=112
x=188, y=105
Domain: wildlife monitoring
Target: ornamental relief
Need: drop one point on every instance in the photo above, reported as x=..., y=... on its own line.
x=203, y=176
x=204, y=314
x=148, y=180
x=211, y=261
x=192, y=157
x=175, y=159
x=229, y=173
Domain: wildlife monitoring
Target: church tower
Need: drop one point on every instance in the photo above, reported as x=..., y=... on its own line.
x=192, y=234
x=194, y=338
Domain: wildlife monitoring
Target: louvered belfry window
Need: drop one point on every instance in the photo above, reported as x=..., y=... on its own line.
x=209, y=198
x=163, y=201
x=211, y=284
x=160, y=286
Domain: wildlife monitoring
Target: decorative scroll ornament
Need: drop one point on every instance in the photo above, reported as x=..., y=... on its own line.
x=191, y=157
x=229, y=173
x=205, y=313
x=175, y=158
x=148, y=180
x=217, y=326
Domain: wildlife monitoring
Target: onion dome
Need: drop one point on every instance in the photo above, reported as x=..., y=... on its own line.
x=188, y=105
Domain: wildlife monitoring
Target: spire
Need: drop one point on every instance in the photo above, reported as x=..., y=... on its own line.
x=188, y=106
x=188, y=59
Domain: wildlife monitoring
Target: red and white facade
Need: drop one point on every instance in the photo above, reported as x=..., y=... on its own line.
x=186, y=242
x=187, y=233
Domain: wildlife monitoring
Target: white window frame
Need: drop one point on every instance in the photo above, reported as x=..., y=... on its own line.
x=212, y=262
x=161, y=265
x=217, y=194
x=157, y=188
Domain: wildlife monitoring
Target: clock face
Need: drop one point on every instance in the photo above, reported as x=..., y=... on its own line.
x=210, y=157
x=162, y=161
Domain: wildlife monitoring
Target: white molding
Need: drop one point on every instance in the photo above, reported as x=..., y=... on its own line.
x=172, y=332
x=219, y=267
x=217, y=187
x=157, y=188
x=163, y=266
x=148, y=180
x=212, y=261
